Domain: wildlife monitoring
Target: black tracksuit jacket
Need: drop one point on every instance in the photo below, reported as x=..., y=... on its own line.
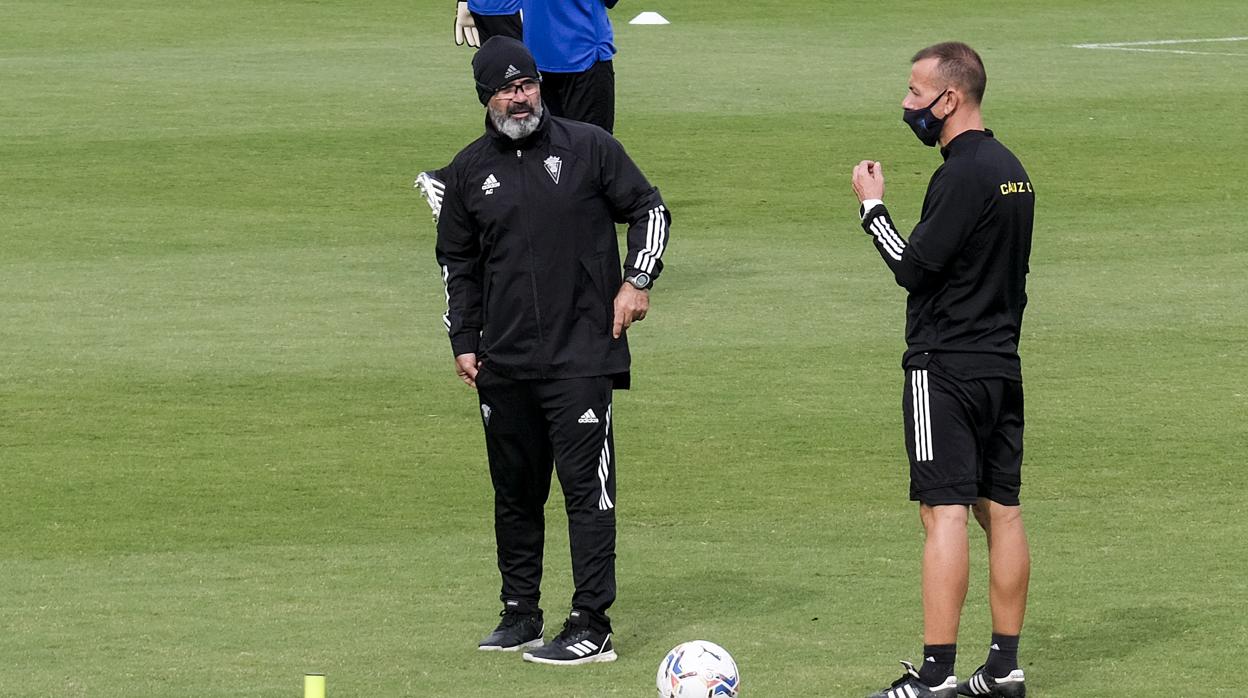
x=528, y=249
x=966, y=263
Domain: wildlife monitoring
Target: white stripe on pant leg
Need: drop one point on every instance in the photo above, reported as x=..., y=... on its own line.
x=602, y=478
x=604, y=466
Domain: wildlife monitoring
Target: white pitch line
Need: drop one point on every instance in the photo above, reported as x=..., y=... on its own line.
x=1160, y=42
x=1165, y=50
x=1134, y=46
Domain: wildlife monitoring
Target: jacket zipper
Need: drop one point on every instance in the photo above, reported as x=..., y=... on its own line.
x=537, y=306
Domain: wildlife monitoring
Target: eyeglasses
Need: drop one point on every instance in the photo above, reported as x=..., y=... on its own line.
x=528, y=87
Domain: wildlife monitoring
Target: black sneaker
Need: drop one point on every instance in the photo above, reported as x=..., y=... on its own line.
x=516, y=631
x=577, y=643
x=981, y=684
x=911, y=686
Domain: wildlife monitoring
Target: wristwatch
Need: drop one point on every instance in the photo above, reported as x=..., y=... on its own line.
x=640, y=281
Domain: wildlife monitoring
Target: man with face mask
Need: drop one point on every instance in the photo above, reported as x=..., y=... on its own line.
x=965, y=267
x=538, y=308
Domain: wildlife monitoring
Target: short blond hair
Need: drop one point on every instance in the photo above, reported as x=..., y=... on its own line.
x=958, y=64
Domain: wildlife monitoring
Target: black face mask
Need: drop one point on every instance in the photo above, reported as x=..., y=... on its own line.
x=924, y=123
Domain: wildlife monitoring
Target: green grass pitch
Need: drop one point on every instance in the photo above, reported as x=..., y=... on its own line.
x=232, y=448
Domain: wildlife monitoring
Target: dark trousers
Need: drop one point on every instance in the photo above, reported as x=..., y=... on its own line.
x=587, y=96
x=498, y=25
x=530, y=425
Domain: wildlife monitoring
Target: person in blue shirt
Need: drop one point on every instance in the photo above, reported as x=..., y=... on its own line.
x=572, y=42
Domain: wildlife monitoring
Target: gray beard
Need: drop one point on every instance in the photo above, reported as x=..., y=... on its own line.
x=517, y=129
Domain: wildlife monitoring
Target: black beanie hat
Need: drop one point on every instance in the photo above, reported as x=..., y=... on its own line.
x=500, y=60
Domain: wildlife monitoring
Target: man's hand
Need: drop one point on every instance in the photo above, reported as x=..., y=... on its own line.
x=631, y=305
x=868, y=180
x=465, y=27
x=466, y=367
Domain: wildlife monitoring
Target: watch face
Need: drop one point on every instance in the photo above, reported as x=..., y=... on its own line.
x=642, y=280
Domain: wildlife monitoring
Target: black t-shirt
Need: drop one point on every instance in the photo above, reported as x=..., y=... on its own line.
x=965, y=265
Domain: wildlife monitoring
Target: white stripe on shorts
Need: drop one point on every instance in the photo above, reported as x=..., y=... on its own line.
x=922, y=415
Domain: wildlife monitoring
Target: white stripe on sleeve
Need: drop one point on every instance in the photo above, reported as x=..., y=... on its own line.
x=656, y=240
x=889, y=239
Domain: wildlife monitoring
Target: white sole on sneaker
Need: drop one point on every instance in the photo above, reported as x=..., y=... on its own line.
x=531, y=644
x=609, y=656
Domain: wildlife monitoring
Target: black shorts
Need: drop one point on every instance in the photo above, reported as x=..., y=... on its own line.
x=499, y=25
x=587, y=96
x=964, y=438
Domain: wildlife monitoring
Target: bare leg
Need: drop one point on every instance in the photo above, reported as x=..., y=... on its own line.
x=1009, y=564
x=946, y=567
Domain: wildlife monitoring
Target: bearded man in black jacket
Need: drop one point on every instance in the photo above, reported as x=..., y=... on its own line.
x=538, y=308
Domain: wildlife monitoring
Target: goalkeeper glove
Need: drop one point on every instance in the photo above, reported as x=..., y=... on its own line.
x=465, y=27
x=433, y=191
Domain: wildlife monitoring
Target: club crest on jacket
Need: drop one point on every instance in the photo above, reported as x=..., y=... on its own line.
x=554, y=166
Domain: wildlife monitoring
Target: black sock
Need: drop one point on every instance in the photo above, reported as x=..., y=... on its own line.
x=1002, y=656
x=937, y=663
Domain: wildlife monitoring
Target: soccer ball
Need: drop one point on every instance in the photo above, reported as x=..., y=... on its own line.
x=698, y=669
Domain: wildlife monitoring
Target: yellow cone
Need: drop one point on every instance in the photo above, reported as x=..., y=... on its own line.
x=314, y=686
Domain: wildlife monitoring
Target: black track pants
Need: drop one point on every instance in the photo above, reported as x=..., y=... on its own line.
x=530, y=424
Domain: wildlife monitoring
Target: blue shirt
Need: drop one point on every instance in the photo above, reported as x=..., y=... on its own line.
x=568, y=36
x=494, y=7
